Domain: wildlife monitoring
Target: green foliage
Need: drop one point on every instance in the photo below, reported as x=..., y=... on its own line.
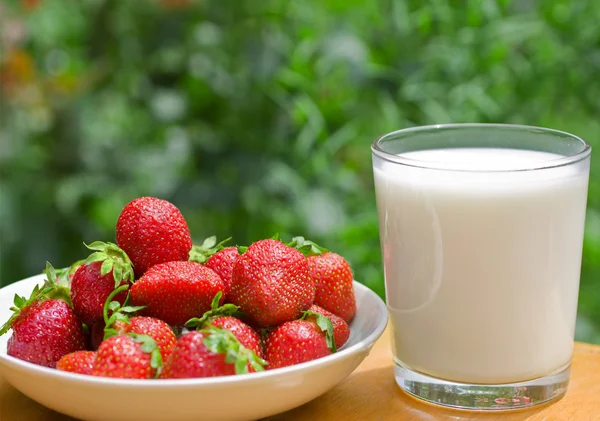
x=256, y=116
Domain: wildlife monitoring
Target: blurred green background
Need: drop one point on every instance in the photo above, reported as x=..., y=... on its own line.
x=256, y=116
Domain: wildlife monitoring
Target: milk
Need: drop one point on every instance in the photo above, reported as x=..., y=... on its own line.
x=482, y=269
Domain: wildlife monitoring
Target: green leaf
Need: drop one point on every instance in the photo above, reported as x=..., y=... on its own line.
x=202, y=253
x=242, y=249
x=193, y=322
x=256, y=365
x=216, y=300
x=117, y=274
x=128, y=274
x=120, y=317
x=307, y=247
x=50, y=273
x=107, y=266
x=19, y=301
x=210, y=242
x=326, y=326
x=241, y=366
x=148, y=345
x=156, y=360
x=222, y=341
x=6, y=326
x=96, y=245
x=96, y=257
x=108, y=332
x=114, y=305
x=111, y=320
x=275, y=237
x=132, y=309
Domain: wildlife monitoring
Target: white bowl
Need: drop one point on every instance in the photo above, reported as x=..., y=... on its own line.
x=243, y=397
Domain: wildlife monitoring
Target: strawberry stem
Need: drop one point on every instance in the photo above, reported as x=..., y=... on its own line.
x=118, y=312
x=109, y=301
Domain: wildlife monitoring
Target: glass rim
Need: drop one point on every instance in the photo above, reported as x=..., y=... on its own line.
x=538, y=165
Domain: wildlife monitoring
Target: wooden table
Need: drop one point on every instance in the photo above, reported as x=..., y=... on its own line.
x=370, y=394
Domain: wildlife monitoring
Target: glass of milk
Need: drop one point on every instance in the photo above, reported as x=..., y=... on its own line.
x=481, y=229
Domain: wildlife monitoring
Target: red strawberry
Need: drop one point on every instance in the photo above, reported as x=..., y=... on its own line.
x=209, y=353
x=152, y=231
x=333, y=278
x=106, y=269
x=222, y=263
x=341, y=330
x=218, y=258
x=176, y=291
x=222, y=317
x=271, y=283
x=157, y=329
x=77, y=362
x=244, y=333
x=296, y=342
x=128, y=356
x=44, y=330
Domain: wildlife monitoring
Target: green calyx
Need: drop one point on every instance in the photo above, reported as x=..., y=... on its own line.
x=117, y=312
x=55, y=287
x=222, y=341
x=326, y=326
x=215, y=311
x=20, y=303
x=307, y=247
x=57, y=283
x=149, y=347
x=113, y=259
x=203, y=252
x=63, y=276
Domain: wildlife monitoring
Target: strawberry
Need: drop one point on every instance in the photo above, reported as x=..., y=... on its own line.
x=44, y=328
x=299, y=341
x=176, y=291
x=341, y=330
x=103, y=271
x=119, y=323
x=80, y=362
x=333, y=279
x=218, y=258
x=96, y=335
x=222, y=263
x=222, y=317
x=152, y=231
x=210, y=352
x=271, y=283
x=130, y=356
x=157, y=329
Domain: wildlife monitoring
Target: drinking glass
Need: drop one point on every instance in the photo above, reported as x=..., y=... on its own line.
x=481, y=229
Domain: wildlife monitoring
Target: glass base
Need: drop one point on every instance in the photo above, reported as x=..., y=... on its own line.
x=497, y=397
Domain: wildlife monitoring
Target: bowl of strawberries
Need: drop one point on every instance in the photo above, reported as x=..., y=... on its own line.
x=153, y=327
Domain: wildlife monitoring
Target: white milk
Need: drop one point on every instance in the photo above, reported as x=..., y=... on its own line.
x=482, y=270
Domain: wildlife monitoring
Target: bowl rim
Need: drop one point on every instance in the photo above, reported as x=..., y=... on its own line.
x=361, y=346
